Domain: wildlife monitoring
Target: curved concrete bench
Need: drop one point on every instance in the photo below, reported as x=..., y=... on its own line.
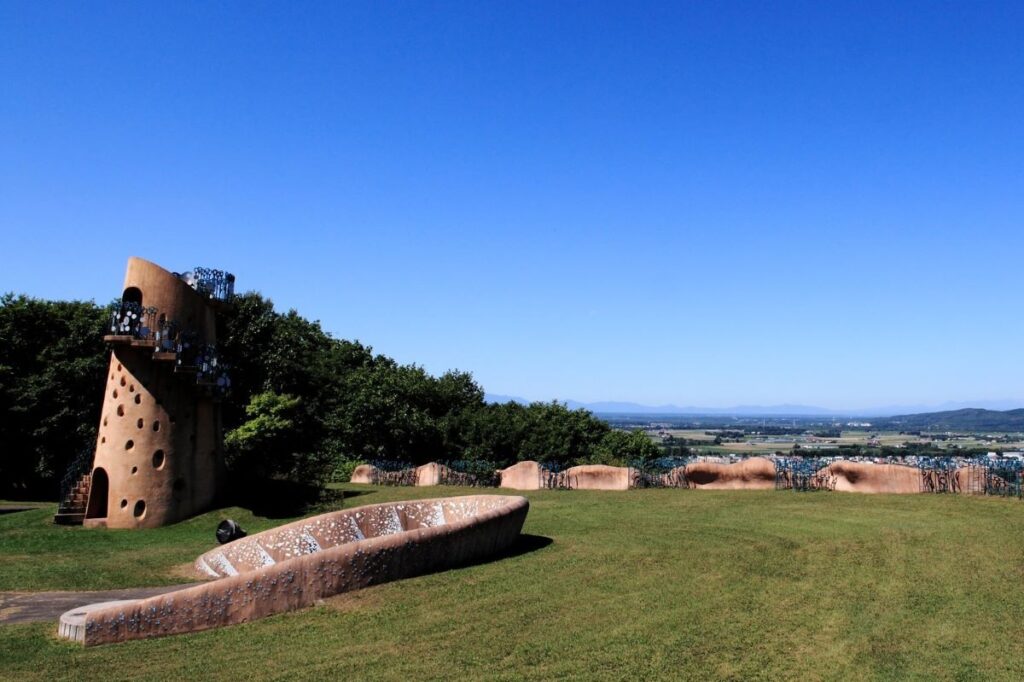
x=296, y=564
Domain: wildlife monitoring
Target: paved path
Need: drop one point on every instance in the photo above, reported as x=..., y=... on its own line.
x=11, y=508
x=35, y=607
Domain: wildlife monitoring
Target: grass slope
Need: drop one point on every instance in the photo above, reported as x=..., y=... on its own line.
x=638, y=584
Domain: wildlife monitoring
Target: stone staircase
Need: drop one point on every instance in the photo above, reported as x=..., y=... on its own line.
x=71, y=511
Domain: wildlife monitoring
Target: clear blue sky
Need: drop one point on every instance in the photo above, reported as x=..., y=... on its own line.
x=700, y=203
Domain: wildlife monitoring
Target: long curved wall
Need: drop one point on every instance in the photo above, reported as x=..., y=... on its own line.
x=159, y=438
x=754, y=473
x=294, y=565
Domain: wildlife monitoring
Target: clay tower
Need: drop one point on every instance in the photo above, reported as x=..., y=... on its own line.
x=159, y=453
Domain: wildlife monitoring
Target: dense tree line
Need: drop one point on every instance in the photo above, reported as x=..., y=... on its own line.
x=303, y=404
x=52, y=366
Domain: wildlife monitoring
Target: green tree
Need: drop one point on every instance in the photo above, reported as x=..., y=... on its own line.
x=52, y=366
x=625, y=448
x=264, y=446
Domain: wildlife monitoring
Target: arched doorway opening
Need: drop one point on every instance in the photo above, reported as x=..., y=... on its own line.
x=132, y=295
x=98, y=492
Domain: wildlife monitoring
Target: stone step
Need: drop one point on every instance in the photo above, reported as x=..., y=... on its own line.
x=71, y=511
x=69, y=518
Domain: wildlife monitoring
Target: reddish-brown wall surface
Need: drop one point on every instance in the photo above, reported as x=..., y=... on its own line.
x=521, y=476
x=430, y=473
x=159, y=441
x=756, y=473
x=364, y=473
x=865, y=477
x=599, y=477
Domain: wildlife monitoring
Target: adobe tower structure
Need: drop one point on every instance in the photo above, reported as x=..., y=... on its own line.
x=158, y=455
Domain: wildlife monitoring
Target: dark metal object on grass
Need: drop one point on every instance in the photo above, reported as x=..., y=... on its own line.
x=228, y=530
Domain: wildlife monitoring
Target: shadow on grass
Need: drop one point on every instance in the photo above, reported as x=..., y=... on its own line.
x=357, y=493
x=279, y=499
x=524, y=544
x=10, y=509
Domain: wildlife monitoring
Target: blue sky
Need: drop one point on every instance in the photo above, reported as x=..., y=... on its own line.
x=698, y=203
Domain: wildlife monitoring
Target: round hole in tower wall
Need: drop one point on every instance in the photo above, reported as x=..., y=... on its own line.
x=140, y=423
x=135, y=470
x=120, y=410
x=156, y=426
x=140, y=509
x=128, y=445
x=123, y=381
x=119, y=367
x=114, y=394
x=124, y=503
x=131, y=388
x=103, y=439
x=138, y=400
x=158, y=459
x=104, y=421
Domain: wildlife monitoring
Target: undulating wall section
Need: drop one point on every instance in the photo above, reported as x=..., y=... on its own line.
x=364, y=473
x=756, y=473
x=598, y=477
x=866, y=477
x=521, y=476
x=431, y=473
x=293, y=566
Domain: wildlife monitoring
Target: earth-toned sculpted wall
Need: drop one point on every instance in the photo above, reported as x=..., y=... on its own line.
x=598, y=477
x=431, y=473
x=866, y=477
x=364, y=473
x=521, y=476
x=294, y=565
x=158, y=451
x=756, y=473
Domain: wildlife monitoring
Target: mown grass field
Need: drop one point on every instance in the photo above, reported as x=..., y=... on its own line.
x=662, y=584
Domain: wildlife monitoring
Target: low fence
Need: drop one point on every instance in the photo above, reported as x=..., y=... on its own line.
x=390, y=472
x=667, y=472
x=803, y=474
x=469, y=473
x=977, y=476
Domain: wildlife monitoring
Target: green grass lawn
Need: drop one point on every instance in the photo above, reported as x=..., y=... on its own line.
x=637, y=584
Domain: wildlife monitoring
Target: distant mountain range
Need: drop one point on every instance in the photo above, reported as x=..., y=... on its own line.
x=786, y=410
x=955, y=420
